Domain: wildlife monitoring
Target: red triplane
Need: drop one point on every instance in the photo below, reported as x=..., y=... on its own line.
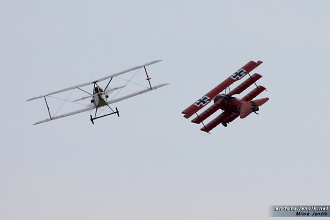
x=232, y=107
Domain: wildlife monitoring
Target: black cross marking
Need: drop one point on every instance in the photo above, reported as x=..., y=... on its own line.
x=239, y=74
x=203, y=101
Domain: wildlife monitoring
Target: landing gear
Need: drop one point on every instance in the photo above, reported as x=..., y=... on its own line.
x=92, y=119
x=255, y=107
x=113, y=112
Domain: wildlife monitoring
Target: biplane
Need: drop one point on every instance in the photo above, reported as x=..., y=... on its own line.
x=99, y=97
x=231, y=106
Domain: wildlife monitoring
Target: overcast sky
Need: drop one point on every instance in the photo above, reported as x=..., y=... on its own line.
x=151, y=163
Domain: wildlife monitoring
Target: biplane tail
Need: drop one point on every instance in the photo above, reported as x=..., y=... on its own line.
x=251, y=106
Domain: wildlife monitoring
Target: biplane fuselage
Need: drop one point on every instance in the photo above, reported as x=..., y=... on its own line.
x=99, y=97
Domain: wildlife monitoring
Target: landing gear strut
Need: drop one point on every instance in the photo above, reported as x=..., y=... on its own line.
x=114, y=112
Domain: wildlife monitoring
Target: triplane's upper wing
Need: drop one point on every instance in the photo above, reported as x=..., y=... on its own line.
x=239, y=74
x=95, y=81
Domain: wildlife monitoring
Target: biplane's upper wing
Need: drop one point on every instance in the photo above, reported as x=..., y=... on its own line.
x=95, y=81
x=109, y=102
x=95, y=94
x=192, y=109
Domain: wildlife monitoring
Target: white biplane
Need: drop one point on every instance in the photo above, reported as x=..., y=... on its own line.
x=99, y=97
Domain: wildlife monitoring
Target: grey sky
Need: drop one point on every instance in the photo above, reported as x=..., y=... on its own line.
x=151, y=163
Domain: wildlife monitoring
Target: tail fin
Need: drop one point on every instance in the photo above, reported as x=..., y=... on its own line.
x=252, y=106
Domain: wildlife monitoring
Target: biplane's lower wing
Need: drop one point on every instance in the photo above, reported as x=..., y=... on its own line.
x=136, y=93
x=246, y=69
x=65, y=115
x=109, y=102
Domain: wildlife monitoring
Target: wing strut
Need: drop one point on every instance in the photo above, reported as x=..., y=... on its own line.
x=251, y=79
x=48, y=108
x=84, y=91
x=148, y=78
x=108, y=84
x=202, y=121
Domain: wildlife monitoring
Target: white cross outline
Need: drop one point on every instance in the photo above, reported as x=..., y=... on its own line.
x=202, y=101
x=239, y=74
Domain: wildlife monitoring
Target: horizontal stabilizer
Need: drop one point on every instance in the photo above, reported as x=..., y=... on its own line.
x=251, y=95
x=192, y=109
x=246, y=109
x=260, y=102
x=252, y=106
